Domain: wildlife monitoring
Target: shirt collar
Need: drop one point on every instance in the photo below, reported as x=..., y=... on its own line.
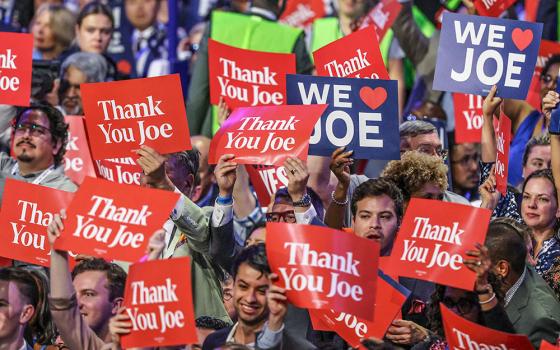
x=514, y=288
x=145, y=34
x=264, y=13
x=230, y=338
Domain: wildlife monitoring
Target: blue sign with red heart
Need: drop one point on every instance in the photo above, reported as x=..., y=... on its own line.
x=362, y=114
x=476, y=52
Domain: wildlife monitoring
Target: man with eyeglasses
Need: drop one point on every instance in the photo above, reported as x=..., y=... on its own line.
x=39, y=138
x=464, y=161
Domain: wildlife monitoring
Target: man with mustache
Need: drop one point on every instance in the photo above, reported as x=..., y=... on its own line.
x=39, y=138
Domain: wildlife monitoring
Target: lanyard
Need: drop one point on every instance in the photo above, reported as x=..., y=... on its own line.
x=39, y=178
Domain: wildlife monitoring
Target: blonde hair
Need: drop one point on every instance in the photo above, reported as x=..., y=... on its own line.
x=414, y=170
x=62, y=22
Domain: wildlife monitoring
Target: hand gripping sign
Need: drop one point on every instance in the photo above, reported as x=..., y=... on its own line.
x=123, y=115
x=354, y=56
x=390, y=296
x=503, y=140
x=266, y=180
x=119, y=170
x=105, y=220
x=492, y=8
x=477, y=52
x=322, y=268
x=16, y=51
x=464, y=334
x=266, y=135
x=362, y=114
x=468, y=117
x=434, y=237
x=158, y=300
x=77, y=159
x=27, y=211
x=245, y=78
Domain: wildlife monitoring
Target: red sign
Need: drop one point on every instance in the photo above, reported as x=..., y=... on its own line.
x=119, y=170
x=77, y=160
x=503, y=140
x=434, y=237
x=322, y=268
x=266, y=180
x=247, y=78
x=302, y=13
x=382, y=16
x=547, y=346
x=105, y=220
x=468, y=117
x=464, y=334
x=27, y=211
x=546, y=50
x=16, y=51
x=492, y=8
x=123, y=115
x=354, y=56
x=266, y=135
x=158, y=299
x=390, y=297
x=5, y=262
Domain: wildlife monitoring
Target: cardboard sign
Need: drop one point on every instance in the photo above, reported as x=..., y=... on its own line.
x=362, y=114
x=322, y=268
x=546, y=50
x=433, y=240
x=16, y=51
x=492, y=8
x=158, y=299
x=27, y=211
x=266, y=180
x=503, y=140
x=477, y=52
x=247, y=78
x=353, y=56
x=266, y=135
x=468, y=117
x=302, y=13
x=119, y=170
x=547, y=346
x=464, y=334
x=390, y=296
x=77, y=159
x=123, y=115
x=105, y=220
x=382, y=17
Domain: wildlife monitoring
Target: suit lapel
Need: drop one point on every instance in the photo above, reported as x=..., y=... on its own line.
x=519, y=301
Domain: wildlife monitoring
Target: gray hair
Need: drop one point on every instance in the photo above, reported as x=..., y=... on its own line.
x=93, y=65
x=413, y=128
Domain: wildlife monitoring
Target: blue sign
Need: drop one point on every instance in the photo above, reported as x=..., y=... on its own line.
x=362, y=114
x=476, y=52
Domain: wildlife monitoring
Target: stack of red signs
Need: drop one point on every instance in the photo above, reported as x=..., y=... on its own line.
x=119, y=170
x=77, y=159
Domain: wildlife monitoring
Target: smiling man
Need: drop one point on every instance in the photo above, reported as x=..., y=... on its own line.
x=39, y=138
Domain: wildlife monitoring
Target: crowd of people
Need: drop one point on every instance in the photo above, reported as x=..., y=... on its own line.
x=218, y=221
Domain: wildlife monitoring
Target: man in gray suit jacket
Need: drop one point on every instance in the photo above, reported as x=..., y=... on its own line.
x=529, y=302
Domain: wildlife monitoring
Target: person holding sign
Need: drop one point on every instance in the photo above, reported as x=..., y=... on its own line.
x=39, y=139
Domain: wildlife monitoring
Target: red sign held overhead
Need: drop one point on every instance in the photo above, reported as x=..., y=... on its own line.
x=382, y=16
x=492, y=8
x=322, y=268
x=158, y=299
x=27, y=211
x=302, y=13
x=123, y=115
x=503, y=140
x=354, y=56
x=468, y=117
x=463, y=334
x=266, y=180
x=246, y=78
x=77, y=159
x=105, y=220
x=433, y=239
x=16, y=51
x=547, y=346
x=119, y=170
x=266, y=135
x=390, y=296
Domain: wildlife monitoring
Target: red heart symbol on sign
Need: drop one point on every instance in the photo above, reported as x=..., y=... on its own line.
x=373, y=98
x=521, y=38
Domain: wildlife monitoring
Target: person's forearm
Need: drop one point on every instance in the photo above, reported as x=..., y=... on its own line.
x=244, y=202
x=60, y=277
x=334, y=216
x=555, y=154
x=411, y=39
x=488, y=140
x=396, y=72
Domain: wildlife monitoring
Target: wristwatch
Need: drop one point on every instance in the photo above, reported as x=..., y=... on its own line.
x=305, y=201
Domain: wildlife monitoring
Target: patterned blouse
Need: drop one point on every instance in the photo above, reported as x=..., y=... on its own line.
x=507, y=205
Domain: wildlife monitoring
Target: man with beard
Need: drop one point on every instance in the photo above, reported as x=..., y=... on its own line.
x=39, y=138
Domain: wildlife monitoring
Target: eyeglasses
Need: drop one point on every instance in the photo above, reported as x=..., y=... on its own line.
x=34, y=129
x=463, y=305
x=227, y=294
x=431, y=151
x=547, y=79
x=466, y=160
x=288, y=216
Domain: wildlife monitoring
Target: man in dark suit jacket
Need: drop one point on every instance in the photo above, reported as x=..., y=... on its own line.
x=261, y=309
x=529, y=302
